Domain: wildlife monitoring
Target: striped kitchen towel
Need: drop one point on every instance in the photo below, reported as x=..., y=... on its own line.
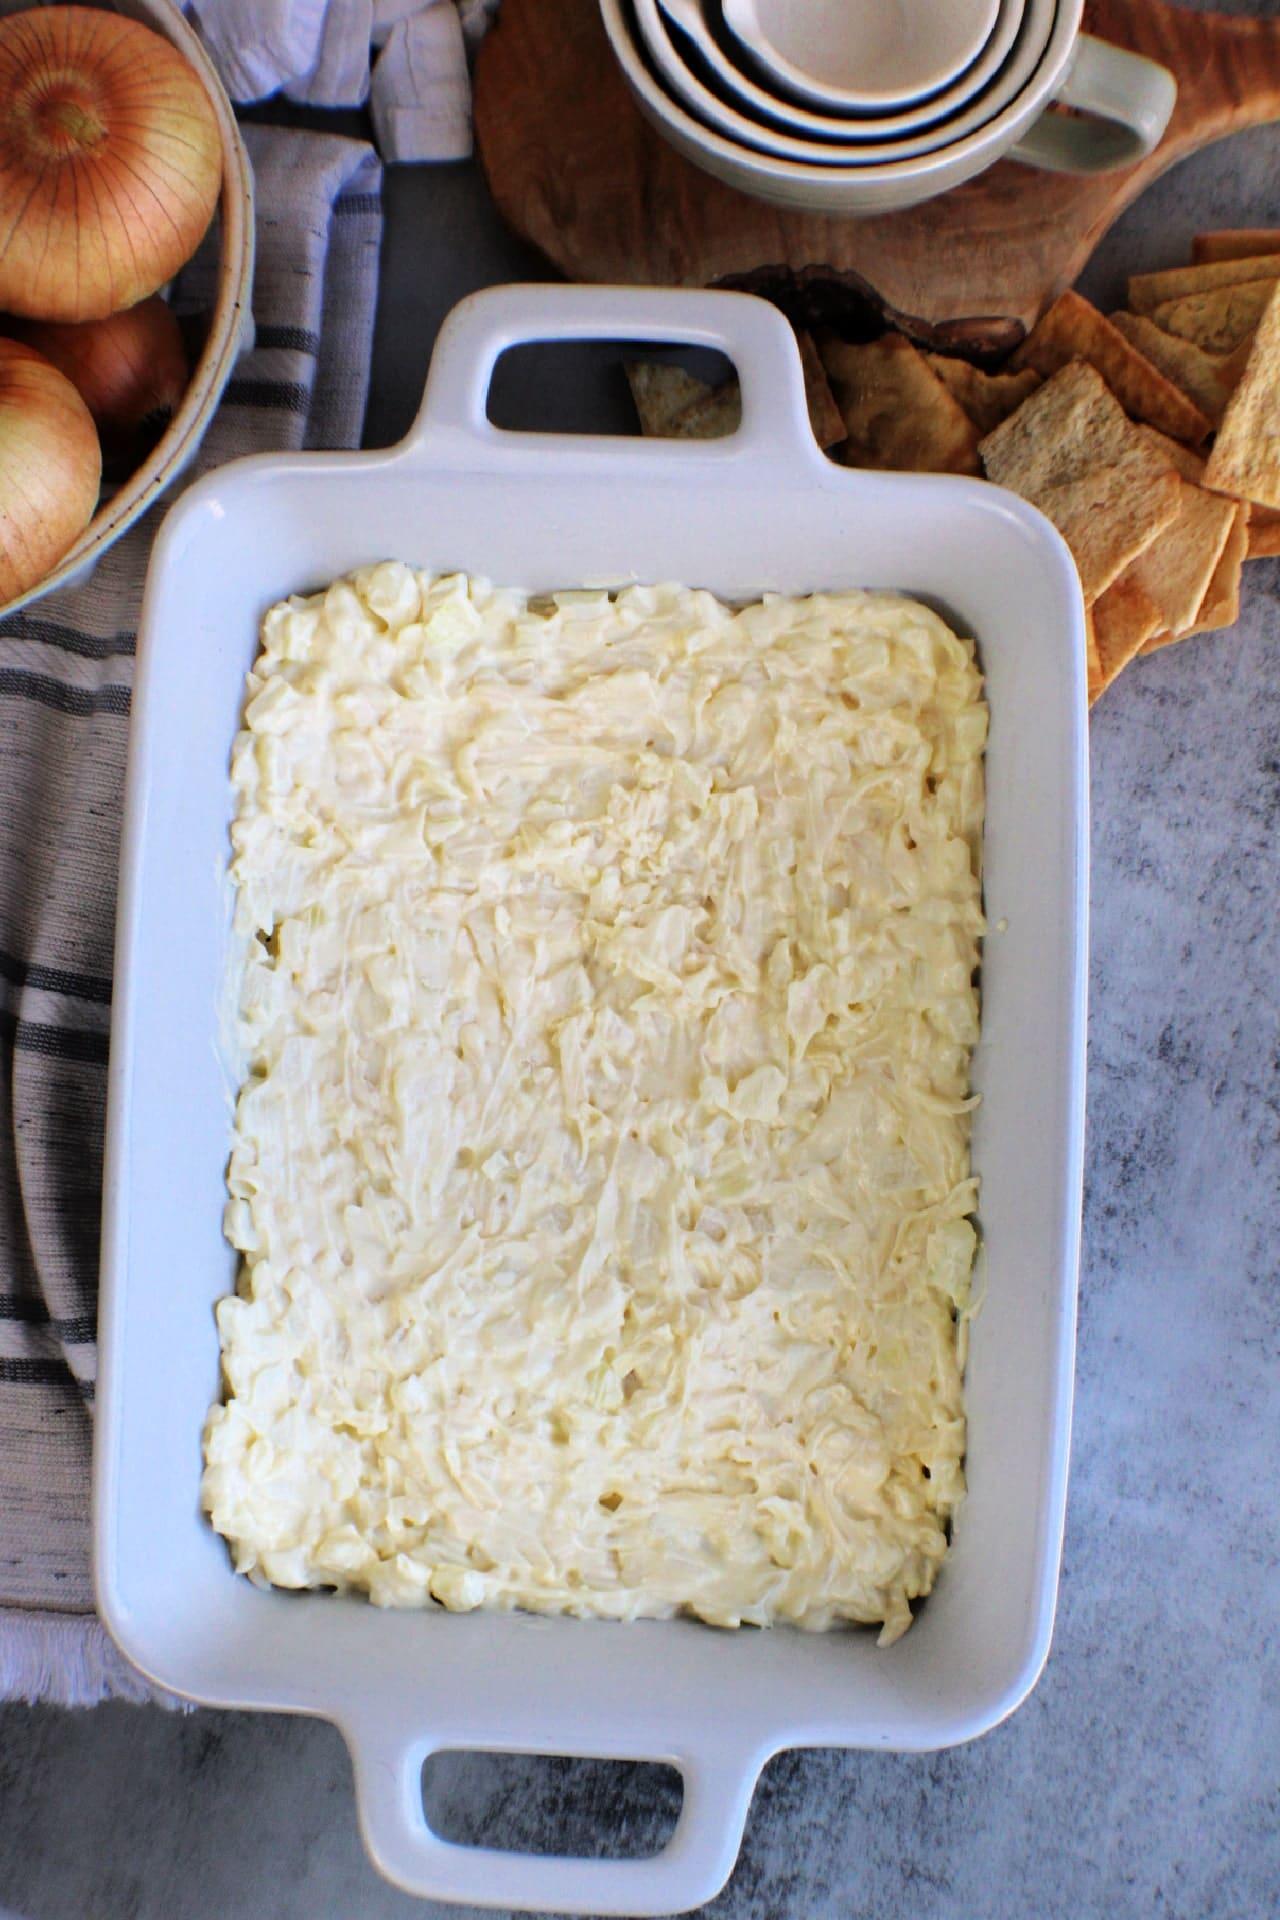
x=66, y=670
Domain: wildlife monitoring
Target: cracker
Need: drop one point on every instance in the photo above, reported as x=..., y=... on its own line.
x=673, y=405
x=1182, y=459
x=1073, y=329
x=661, y=393
x=1264, y=533
x=711, y=419
x=896, y=411
x=1093, y=659
x=1264, y=523
x=987, y=398
x=1219, y=322
x=1175, y=570
x=1204, y=377
x=1235, y=243
x=1072, y=452
x=1124, y=618
x=1147, y=291
x=1235, y=363
x=1246, y=454
x=1220, y=606
x=824, y=415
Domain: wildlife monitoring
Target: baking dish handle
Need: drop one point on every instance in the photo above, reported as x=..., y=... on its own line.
x=690, y=1870
x=753, y=334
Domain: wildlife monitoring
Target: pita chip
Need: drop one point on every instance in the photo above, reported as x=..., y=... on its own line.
x=1236, y=362
x=1124, y=618
x=719, y=412
x=1071, y=450
x=1234, y=243
x=673, y=405
x=1246, y=454
x=824, y=415
x=1220, y=606
x=896, y=411
x=1072, y=329
x=1263, y=523
x=987, y=398
x=1220, y=321
x=1147, y=291
x=1182, y=459
x=1204, y=377
x=1264, y=533
x=1175, y=570
x=662, y=392
x=1093, y=659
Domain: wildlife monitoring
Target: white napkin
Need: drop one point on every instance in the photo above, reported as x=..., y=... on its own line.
x=258, y=45
x=317, y=53
x=421, y=94
x=386, y=13
x=340, y=76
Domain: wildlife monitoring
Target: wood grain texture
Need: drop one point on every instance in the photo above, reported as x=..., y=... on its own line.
x=577, y=171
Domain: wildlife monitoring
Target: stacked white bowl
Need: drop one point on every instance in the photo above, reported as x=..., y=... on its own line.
x=860, y=106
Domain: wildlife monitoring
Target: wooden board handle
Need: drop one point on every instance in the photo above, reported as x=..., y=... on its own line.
x=1227, y=65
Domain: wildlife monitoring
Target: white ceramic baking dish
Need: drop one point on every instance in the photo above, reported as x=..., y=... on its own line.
x=762, y=509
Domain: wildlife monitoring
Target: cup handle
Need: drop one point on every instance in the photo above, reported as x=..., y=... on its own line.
x=1129, y=99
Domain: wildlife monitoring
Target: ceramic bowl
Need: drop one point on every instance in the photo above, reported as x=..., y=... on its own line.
x=860, y=59
x=918, y=136
x=1134, y=97
x=690, y=26
x=228, y=322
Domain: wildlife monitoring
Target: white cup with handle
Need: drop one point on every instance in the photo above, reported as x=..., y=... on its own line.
x=861, y=56
x=1124, y=103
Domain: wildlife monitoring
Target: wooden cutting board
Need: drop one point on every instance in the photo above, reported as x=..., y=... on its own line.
x=578, y=172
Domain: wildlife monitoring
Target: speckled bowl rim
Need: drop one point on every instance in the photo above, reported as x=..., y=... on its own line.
x=226, y=327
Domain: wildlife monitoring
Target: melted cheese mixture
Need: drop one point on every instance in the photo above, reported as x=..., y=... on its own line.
x=601, y=1165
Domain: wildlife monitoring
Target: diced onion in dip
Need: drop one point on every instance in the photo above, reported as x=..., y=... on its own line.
x=601, y=1158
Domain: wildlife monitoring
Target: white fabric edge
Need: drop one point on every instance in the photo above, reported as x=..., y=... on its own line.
x=69, y=1660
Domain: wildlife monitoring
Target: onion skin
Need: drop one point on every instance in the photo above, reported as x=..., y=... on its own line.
x=50, y=467
x=110, y=163
x=129, y=369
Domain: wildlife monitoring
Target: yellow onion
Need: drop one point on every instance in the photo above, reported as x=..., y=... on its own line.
x=50, y=467
x=110, y=163
x=129, y=369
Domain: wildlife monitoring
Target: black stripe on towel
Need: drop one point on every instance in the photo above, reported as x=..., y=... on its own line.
x=359, y=203
x=78, y=1330
x=80, y=701
x=38, y=1373
x=54, y=1043
x=289, y=339
x=282, y=396
x=78, y=986
x=89, y=646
